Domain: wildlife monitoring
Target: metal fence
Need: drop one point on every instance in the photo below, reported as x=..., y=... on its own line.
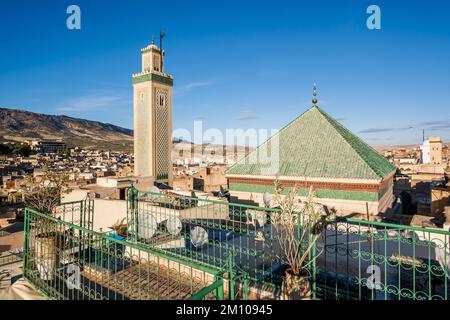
x=69, y=261
x=10, y=257
x=207, y=232
x=188, y=248
x=374, y=260
x=80, y=213
x=356, y=259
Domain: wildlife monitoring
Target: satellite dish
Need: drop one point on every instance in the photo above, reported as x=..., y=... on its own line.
x=154, y=197
x=147, y=225
x=199, y=237
x=173, y=225
x=267, y=198
x=154, y=189
x=142, y=197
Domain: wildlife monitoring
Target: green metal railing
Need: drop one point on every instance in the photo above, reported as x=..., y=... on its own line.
x=376, y=260
x=8, y=258
x=353, y=259
x=186, y=248
x=69, y=261
x=216, y=288
x=206, y=231
x=80, y=213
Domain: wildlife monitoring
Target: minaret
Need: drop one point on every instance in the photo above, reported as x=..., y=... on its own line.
x=152, y=89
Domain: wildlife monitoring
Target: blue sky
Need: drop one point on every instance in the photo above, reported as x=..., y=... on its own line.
x=237, y=64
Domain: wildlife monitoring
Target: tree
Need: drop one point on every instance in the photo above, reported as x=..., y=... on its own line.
x=23, y=149
x=44, y=193
x=5, y=149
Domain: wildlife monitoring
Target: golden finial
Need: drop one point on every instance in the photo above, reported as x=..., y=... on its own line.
x=314, y=100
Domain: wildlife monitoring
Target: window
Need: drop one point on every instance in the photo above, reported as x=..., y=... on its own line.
x=156, y=63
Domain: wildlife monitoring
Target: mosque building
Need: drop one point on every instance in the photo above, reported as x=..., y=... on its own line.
x=316, y=150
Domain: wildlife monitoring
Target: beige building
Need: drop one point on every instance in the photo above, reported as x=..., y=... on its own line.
x=152, y=89
x=432, y=151
x=206, y=178
x=440, y=199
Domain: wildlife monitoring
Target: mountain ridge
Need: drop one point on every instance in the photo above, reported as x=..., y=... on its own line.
x=20, y=125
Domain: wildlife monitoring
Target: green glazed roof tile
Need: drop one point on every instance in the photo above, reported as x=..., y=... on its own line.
x=316, y=145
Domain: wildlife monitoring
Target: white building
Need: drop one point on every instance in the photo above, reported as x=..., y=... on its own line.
x=407, y=161
x=431, y=151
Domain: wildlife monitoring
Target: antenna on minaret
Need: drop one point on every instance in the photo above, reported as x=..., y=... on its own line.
x=314, y=100
x=423, y=135
x=153, y=39
x=161, y=37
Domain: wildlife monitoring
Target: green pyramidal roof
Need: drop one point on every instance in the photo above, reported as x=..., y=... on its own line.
x=316, y=145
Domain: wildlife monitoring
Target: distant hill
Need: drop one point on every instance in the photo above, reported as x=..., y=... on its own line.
x=20, y=125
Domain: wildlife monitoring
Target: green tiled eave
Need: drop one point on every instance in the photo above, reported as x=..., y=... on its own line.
x=320, y=193
x=153, y=77
x=316, y=145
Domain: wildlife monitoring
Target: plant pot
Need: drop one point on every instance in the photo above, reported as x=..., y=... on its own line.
x=295, y=286
x=46, y=253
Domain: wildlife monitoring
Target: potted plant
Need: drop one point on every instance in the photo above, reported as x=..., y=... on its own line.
x=298, y=226
x=43, y=194
x=120, y=229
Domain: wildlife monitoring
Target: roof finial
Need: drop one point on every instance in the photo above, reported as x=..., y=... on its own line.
x=314, y=100
x=153, y=39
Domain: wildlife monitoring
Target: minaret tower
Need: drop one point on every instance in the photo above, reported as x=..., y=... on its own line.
x=152, y=89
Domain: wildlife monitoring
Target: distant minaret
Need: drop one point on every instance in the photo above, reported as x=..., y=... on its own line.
x=152, y=89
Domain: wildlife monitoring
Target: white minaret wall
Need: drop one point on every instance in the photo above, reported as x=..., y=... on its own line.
x=152, y=103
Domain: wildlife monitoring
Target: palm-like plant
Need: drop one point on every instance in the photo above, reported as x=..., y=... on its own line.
x=298, y=226
x=120, y=227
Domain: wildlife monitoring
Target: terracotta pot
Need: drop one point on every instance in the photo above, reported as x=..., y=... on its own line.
x=295, y=286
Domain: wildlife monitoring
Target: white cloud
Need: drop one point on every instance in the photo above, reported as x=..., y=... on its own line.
x=99, y=101
x=247, y=115
x=186, y=88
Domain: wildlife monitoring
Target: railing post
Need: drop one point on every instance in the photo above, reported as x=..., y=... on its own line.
x=82, y=208
x=220, y=292
x=231, y=277
x=246, y=286
x=132, y=207
x=26, y=242
x=314, y=270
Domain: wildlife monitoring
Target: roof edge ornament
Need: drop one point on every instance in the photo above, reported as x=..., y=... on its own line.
x=314, y=100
